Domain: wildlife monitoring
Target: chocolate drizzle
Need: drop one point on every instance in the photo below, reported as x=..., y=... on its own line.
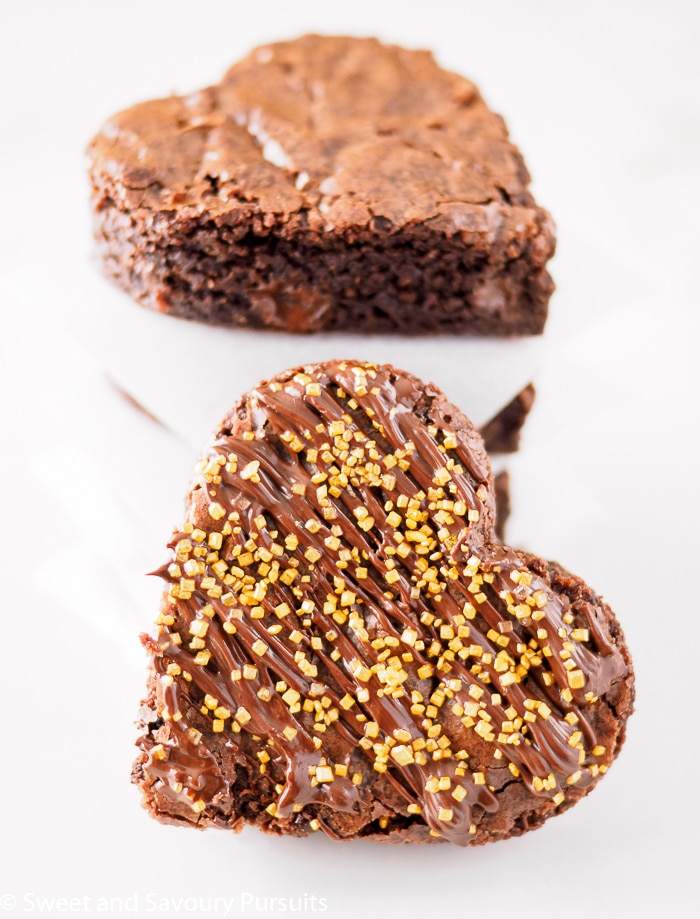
x=338, y=575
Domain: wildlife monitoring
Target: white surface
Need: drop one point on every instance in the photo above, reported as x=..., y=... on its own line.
x=604, y=100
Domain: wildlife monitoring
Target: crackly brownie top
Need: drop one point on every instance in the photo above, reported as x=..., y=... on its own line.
x=338, y=606
x=343, y=130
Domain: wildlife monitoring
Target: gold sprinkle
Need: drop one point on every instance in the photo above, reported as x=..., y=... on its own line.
x=250, y=471
x=576, y=679
x=402, y=754
x=442, y=476
x=199, y=627
x=360, y=671
x=291, y=696
x=409, y=637
x=450, y=440
x=216, y=511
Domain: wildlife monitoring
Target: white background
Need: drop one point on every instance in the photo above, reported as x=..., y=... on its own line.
x=604, y=100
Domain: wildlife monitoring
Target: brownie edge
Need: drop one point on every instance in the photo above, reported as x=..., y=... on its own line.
x=345, y=646
x=326, y=183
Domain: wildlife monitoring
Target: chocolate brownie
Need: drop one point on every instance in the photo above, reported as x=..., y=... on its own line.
x=344, y=646
x=325, y=183
x=502, y=433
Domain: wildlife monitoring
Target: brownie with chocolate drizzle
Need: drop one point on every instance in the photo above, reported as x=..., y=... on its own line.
x=345, y=646
x=324, y=183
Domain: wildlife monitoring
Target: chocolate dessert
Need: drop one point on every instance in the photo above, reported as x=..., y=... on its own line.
x=325, y=183
x=345, y=646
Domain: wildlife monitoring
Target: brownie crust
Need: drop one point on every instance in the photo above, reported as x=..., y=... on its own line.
x=325, y=183
x=309, y=673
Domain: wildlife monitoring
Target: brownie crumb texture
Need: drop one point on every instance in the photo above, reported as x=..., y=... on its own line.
x=325, y=183
x=345, y=646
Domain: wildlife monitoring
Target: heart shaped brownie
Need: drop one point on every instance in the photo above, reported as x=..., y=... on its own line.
x=325, y=183
x=344, y=645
